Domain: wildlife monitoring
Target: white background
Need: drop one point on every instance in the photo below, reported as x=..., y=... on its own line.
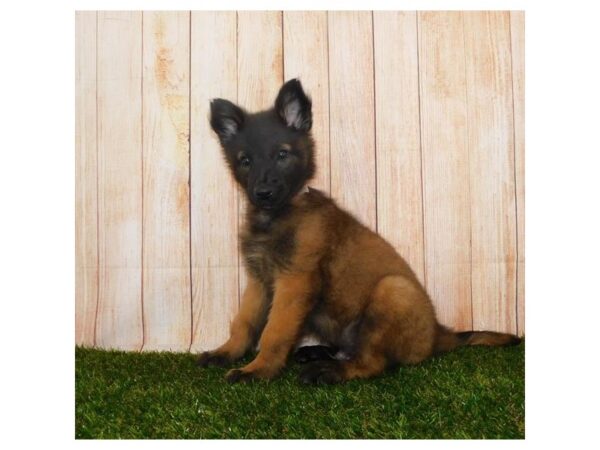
x=37, y=223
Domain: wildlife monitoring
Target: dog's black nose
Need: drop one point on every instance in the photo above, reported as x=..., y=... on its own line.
x=263, y=193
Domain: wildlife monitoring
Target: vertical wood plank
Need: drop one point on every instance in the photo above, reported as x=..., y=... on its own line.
x=260, y=58
x=86, y=207
x=491, y=150
x=260, y=69
x=517, y=33
x=398, y=142
x=306, y=57
x=446, y=192
x=119, y=320
x=214, y=197
x=352, y=122
x=166, y=246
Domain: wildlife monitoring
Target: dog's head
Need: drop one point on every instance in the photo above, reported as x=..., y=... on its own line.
x=270, y=153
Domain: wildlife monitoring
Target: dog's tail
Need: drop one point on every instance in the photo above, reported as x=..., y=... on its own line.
x=447, y=339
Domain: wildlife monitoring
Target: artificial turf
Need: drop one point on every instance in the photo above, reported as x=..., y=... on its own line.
x=472, y=392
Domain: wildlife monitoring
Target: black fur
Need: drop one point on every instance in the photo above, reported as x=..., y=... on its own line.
x=264, y=252
x=294, y=107
x=226, y=119
x=314, y=353
x=239, y=376
x=322, y=372
x=270, y=152
x=209, y=359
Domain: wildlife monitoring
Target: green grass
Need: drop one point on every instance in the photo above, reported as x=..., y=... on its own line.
x=470, y=393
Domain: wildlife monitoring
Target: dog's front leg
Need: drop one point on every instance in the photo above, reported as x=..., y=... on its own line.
x=292, y=301
x=244, y=328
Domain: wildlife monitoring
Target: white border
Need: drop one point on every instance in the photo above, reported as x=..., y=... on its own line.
x=562, y=234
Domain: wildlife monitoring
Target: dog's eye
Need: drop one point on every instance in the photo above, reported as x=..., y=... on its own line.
x=245, y=161
x=283, y=154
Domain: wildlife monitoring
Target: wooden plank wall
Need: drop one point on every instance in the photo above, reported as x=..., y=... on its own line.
x=517, y=34
x=166, y=171
x=214, y=217
x=418, y=119
x=119, y=320
x=86, y=187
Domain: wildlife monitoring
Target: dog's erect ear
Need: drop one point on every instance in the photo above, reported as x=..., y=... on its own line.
x=293, y=106
x=225, y=118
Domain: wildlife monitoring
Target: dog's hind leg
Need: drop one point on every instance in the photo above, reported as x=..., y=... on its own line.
x=368, y=360
x=364, y=365
x=398, y=326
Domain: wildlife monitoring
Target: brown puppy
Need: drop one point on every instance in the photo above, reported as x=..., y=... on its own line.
x=312, y=267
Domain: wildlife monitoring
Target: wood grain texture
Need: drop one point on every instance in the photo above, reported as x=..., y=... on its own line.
x=306, y=57
x=491, y=153
x=119, y=320
x=398, y=142
x=260, y=58
x=260, y=71
x=214, y=196
x=419, y=126
x=517, y=33
x=446, y=190
x=352, y=121
x=166, y=227
x=86, y=167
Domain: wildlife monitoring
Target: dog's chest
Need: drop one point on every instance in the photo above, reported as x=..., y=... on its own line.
x=266, y=252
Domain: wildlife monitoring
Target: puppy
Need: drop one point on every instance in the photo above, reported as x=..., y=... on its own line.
x=314, y=269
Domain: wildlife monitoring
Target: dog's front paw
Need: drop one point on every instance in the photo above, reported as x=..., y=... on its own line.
x=240, y=376
x=322, y=372
x=213, y=359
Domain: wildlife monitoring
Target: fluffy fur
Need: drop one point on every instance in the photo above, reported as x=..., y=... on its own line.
x=313, y=269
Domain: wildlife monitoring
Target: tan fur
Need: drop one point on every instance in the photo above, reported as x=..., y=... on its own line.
x=292, y=301
x=315, y=268
x=245, y=326
x=342, y=282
